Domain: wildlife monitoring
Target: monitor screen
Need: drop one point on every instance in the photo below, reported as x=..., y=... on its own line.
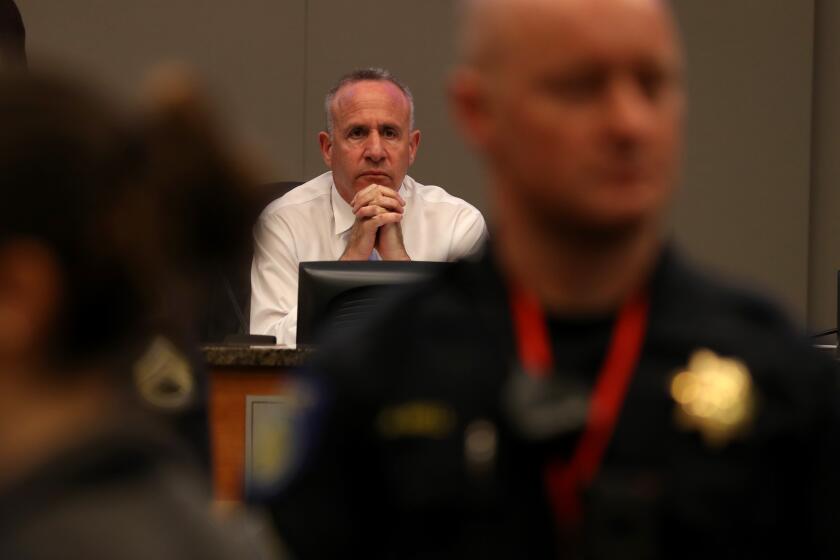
x=339, y=294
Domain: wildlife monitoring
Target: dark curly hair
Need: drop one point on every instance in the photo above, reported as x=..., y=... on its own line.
x=133, y=207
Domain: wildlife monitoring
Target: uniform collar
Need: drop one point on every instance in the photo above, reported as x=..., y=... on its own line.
x=343, y=216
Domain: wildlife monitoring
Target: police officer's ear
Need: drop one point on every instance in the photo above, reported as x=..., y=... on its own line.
x=30, y=290
x=325, y=140
x=469, y=104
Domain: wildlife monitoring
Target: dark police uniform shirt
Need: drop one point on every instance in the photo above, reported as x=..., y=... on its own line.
x=129, y=491
x=394, y=467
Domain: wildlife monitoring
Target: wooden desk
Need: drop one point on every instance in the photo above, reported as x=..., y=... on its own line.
x=237, y=372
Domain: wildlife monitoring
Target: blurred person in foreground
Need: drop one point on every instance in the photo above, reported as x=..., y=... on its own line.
x=580, y=390
x=101, y=228
x=12, y=35
x=365, y=208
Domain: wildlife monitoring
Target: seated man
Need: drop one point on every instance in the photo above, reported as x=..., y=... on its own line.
x=364, y=208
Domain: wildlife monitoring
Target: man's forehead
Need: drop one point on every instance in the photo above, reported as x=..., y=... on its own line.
x=493, y=28
x=368, y=96
x=476, y=8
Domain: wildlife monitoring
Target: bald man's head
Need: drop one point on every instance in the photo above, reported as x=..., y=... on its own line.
x=476, y=23
x=576, y=105
x=485, y=27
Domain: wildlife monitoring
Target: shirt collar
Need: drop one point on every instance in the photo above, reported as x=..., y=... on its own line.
x=343, y=216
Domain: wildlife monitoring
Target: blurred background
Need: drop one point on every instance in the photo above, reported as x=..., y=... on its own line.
x=759, y=198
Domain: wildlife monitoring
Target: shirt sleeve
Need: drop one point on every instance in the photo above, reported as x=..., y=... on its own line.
x=469, y=233
x=274, y=279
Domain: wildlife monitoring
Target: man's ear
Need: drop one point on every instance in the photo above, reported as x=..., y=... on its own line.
x=325, y=140
x=413, y=144
x=468, y=104
x=30, y=287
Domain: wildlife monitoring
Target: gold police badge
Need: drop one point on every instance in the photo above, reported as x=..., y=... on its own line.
x=714, y=396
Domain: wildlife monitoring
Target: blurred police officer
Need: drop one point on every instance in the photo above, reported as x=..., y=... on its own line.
x=580, y=391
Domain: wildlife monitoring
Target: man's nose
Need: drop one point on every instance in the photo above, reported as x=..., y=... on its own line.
x=630, y=112
x=374, y=149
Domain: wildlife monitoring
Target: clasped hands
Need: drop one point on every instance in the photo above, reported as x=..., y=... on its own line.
x=379, y=211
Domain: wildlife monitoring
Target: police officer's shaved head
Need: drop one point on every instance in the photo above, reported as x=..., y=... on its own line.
x=484, y=26
x=575, y=105
x=475, y=25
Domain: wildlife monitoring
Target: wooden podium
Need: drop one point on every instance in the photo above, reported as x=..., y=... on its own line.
x=238, y=375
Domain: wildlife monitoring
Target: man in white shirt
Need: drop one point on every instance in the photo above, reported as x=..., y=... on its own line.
x=364, y=208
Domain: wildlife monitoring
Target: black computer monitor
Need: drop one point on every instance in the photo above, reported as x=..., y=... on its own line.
x=341, y=293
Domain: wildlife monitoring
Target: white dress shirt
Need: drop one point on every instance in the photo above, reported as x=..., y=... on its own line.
x=312, y=223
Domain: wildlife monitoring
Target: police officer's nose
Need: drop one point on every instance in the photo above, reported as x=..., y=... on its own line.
x=629, y=113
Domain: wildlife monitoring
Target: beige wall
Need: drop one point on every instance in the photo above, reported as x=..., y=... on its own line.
x=248, y=51
x=745, y=206
x=825, y=194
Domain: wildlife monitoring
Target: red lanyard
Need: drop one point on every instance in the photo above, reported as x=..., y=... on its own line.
x=564, y=479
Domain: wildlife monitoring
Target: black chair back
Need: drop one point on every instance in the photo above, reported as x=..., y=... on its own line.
x=230, y=300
